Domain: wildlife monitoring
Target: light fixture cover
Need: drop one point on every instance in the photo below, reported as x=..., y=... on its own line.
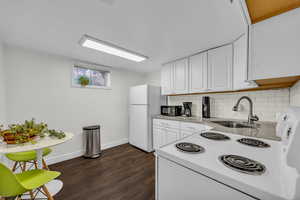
x=96, y=44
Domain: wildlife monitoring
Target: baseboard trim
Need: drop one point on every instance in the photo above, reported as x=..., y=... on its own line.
x=56, y=159
x=114, y=144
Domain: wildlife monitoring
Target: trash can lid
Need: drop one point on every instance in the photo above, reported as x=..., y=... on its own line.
x=88, y=128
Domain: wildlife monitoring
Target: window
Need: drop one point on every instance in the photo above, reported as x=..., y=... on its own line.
x=90, y=77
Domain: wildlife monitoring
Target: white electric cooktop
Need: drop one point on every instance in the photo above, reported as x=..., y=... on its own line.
x=265, y=186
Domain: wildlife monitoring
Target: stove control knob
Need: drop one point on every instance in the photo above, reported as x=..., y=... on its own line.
x=285, y=117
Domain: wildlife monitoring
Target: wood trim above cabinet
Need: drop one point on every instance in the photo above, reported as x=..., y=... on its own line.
x=283, y=81
x=260, y=10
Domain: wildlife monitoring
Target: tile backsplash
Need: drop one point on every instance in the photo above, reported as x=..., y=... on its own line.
x=267, y=103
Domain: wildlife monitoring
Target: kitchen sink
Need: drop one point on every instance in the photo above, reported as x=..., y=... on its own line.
x=235, y=124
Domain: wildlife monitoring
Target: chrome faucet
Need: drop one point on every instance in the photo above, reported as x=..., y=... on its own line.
x=251, y=117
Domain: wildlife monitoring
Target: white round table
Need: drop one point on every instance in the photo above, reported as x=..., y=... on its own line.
x=54, y=186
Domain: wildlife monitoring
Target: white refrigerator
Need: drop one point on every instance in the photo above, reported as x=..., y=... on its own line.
x=144, y=102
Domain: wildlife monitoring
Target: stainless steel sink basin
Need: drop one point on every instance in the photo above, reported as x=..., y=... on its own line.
x=234, y=124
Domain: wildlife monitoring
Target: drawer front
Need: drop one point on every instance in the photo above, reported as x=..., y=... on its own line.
x=193, y=127
x=169, y=124
x=166, y=123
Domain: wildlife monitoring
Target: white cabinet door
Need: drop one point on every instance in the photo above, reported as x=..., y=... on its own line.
x=159, y=137
x=165, y=132
x=240, y=64
x=181, y=76
x=275, y=47
x=171, y=136
x=220, y=68
x=198, y=72
x=162, y=137
x=156, y=138
x=167, y=79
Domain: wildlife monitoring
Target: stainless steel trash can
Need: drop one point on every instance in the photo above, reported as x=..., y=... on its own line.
x=92, y=141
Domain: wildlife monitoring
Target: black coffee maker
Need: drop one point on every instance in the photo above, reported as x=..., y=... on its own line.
x=205, y=107
x=187, y=109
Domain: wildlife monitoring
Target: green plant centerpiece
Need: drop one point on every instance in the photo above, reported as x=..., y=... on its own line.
x=27, y=132
x=84, y=81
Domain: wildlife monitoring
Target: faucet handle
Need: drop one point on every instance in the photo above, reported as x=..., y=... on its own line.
x=235, y=108
x=254, y=118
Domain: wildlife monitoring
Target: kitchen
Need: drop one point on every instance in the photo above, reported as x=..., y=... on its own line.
x=227, y=70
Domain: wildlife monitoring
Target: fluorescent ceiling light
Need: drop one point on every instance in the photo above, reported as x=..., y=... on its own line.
x=93, y=43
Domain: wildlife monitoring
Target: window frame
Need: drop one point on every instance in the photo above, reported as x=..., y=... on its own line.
x=94, y=67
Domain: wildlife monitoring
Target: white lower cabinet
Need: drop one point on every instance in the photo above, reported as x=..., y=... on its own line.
x=175, y=182
x=167, y=131
x=171, y=136
x=163, y=136
x=156, y=138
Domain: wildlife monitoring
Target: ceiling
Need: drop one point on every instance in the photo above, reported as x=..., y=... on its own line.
x=163, y=30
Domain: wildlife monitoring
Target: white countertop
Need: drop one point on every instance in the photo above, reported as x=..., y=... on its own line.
x=41, y=143
x=265, y=186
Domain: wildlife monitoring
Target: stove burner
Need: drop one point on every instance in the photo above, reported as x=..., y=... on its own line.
x=242, y=164
x=214, y=136
x=189, y=147
x=253, y=142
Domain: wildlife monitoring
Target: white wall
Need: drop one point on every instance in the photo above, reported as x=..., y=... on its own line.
x=295, y=94
x=153, y=78
x=39, y=86
x=2, y=95
x=2, y=87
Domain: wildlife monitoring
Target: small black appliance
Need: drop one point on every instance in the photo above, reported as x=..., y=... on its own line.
x=187, y=109
x=205, y=107
x=172, y=111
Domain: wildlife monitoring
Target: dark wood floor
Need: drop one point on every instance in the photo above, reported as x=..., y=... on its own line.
x=122, y=173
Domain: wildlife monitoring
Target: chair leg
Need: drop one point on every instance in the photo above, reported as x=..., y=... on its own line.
x=45, y=166
x=49, y=196
x=14, y=167
x=24, y=166
x=31, y=195
x=35, y=164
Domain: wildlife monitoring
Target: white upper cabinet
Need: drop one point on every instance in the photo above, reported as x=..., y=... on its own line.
x=240, y=64
x=167, y=79
x=198, y=73
x=181, y=75
x=275, y=47
x=220, y=68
